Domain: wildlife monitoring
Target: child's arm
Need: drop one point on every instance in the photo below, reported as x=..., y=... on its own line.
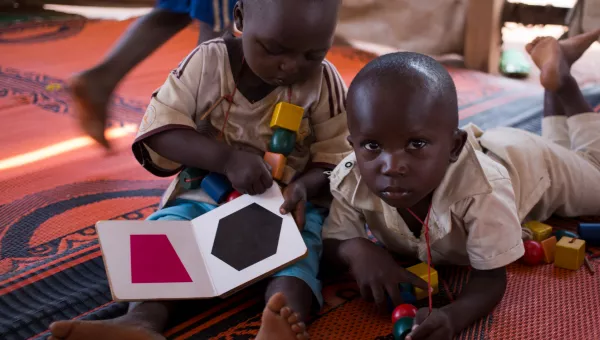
x=296, y=194
x=346, y=247
x=482, y=293
x=168, y=139
x=246, y=171
x=328, y=123
x=493, y=242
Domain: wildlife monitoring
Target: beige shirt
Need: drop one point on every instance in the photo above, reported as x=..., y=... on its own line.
x=473, y=218
x=204, y=76
x=479, y=206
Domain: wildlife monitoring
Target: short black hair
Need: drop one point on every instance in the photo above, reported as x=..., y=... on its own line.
x=408, y=70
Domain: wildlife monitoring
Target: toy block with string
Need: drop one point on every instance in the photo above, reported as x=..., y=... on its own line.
x=285, y=121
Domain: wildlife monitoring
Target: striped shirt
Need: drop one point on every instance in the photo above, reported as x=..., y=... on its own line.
x=205, y=75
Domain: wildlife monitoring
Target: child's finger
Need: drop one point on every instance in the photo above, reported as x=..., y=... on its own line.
x=299, y=214
x=421, y=327
x=415, y=280
x=378, y=294
x=421, y=316
x=394, y=292
x=288, y=205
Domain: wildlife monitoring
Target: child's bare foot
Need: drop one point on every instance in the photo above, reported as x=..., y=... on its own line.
x=554, y=58
x=549, y=58
x=279, y=322
x=100, y=330
x=91, y=96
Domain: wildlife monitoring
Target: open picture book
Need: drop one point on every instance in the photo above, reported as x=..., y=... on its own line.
x=216, y=254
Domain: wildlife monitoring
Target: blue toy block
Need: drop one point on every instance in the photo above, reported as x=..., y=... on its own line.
x=405, y=292
x=407, y=295
x=590, y=233
x=561, y=233
x=216, y=186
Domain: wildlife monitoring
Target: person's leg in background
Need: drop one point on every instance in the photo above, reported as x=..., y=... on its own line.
x=215, y=17
x=93, y=88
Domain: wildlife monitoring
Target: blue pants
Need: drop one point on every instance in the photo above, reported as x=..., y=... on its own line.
x=306, y=270
x=202, y=10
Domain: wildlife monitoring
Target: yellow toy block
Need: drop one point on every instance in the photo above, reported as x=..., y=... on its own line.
x=277, y=163
x=540, y=230
x=570, y=253
x=421, y=271
x=287, y=116
x=549, y=246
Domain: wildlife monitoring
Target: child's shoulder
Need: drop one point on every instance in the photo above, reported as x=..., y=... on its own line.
x=212, y=52
x=474, y=176
x=345, y=183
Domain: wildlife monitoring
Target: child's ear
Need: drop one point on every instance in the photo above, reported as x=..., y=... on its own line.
x=238, y=15
x=458, y=143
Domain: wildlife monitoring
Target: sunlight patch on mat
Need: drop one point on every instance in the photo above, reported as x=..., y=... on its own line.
x=63, y=147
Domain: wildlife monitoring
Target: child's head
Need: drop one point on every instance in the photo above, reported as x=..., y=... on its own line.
x=285, y=41
x=403, y=122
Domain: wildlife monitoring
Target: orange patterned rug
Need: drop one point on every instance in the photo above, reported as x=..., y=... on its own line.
x=56, y=184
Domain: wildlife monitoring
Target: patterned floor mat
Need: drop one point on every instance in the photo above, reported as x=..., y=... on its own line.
x=55, y=185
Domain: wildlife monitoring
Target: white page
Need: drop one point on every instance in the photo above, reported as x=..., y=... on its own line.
x=225, y=277
x=115, y=241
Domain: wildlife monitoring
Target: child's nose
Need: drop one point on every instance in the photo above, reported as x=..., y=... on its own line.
x=290, y=65
x=395, y=165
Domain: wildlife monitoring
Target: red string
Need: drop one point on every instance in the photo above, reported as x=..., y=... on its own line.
x=426, y=226
x=188, y=180
x=229, y=98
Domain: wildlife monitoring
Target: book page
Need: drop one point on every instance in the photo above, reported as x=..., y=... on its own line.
x=247, y=238
x=148, y=260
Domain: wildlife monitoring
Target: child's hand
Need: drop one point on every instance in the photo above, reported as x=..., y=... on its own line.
x=295, y=202
x=376, y=272
x=435, y=326
x=248, y=173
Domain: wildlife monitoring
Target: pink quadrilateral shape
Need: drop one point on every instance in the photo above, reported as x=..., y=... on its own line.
x=154, y=260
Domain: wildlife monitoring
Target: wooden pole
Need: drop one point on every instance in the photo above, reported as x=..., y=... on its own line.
x=483, y=43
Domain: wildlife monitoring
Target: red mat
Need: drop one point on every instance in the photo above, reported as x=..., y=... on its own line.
x=55, y=185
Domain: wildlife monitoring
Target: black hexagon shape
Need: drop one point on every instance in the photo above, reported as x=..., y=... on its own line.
x=247, y=236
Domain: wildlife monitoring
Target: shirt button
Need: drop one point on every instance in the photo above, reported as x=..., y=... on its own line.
x=348, y=165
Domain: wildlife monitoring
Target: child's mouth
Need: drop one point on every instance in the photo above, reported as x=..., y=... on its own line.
x=395, y=194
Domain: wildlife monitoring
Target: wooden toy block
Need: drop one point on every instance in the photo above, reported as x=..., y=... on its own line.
x=570, y=253
x=549, y=246
x=402, y=327
x=283, y=141
x=590, y=232
x=287, y=116
x=277, y=163
x=407, y=293
x=540, y=230
x=190, y=178
x=217, y=186
x=421, y=271
x=562, y=233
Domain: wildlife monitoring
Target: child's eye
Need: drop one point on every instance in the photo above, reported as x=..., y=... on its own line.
x=417, y=144
x=271, y=50
x=316, y=56
x=371, y=146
